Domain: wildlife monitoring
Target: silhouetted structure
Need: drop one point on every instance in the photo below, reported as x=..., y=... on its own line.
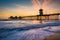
x=20, y=17
x=15, y=17
x=54, y=16
x=40, y=12
x=40, y=15
x=11, y=17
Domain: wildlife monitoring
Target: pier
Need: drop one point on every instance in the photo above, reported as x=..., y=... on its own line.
x=41, y=16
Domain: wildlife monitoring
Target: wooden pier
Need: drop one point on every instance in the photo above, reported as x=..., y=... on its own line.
x=41, y=16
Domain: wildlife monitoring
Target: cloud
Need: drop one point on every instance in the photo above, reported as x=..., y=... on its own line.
x=36, y=4
x=18, y=9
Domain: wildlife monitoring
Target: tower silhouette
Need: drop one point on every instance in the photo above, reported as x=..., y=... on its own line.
x=40, y=12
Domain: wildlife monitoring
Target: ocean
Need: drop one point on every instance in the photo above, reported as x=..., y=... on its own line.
x=28, y=29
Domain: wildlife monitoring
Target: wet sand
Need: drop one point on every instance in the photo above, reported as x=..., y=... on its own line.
x=56, y=36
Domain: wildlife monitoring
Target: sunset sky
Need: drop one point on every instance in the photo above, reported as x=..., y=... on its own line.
x=27, y=7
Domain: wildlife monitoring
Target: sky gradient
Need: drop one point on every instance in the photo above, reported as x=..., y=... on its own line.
x=27, y=7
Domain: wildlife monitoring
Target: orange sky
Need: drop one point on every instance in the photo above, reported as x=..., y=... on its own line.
x=33, y=9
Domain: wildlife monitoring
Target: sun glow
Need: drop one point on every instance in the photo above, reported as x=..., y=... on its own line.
x=23, y=10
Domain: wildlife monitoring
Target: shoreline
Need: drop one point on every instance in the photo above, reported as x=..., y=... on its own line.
x=56, y=36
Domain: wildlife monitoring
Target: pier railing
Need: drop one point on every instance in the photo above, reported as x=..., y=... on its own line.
x=43, y=17
x=48, y=17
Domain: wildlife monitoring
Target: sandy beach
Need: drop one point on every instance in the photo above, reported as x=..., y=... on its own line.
x=56, y=36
